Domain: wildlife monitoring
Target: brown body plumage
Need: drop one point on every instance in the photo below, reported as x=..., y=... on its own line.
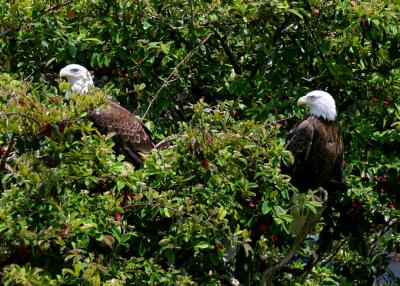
x=317, y=148
x=132, y=138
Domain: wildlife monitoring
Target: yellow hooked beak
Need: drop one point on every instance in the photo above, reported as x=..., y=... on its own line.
x=301, y=101
x=63, y=73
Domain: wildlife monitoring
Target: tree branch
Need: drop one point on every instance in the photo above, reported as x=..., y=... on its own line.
x=168, y=79
x=7, y=152
x=269, y=273
x=21, y=115
x=227, y=51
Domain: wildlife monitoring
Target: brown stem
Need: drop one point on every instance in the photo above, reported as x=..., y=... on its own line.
x=227, y=51
x=7, y=152
x=269, y=273
x=23, y=115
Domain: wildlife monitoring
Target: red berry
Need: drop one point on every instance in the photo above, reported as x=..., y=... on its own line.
x=209, y=138
x=48, y=130
x=234, y=114
x=61, y=128
x=102, y=186
x=117, y=216
x=70, y=14
x=386, y=102
x=251, y=205
x=3, y=149
x=204, y=163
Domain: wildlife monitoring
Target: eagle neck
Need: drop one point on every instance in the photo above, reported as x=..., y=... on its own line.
x=321, y=118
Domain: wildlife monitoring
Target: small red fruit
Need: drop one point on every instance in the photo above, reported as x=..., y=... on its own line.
x=204, y=163
x=3, y=149
x=251, y=205
x=102, y=186
x=70, y=14
x=117, y=216
x=61, y=128
x=234, y=114
x=139, y=61
x=391, y=206
x=209, y=138
x=48, y=130
x=386, y=102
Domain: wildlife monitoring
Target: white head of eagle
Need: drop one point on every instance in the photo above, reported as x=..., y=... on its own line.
x=321, y=104
x=79, y=78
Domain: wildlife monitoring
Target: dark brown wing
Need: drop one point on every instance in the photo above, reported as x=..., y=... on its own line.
x=317, y=148
x=299, y=142
x=132, y=138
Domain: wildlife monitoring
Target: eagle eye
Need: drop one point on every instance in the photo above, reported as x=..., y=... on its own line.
x=74, y=70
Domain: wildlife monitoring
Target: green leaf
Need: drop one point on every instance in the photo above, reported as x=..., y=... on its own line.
x=72, y=49
x=203, y=245
x=165, y=48
x=295, y=12
x=120, y=185
x=265, y=208
x=146, y=25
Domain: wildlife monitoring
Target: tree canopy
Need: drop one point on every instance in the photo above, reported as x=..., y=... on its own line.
x=221, y=78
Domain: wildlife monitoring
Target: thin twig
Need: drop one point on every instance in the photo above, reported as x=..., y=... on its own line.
x=23, y=115
x=7, y=152
x=2, y=34
x=168, y=79
x=131, y=205
x=57, y=6
x=227, y=50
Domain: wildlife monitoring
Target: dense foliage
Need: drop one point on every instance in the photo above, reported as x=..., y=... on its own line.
x=221, y=78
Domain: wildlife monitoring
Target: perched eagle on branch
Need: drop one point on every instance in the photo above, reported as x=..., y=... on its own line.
x=316, y=144
x=132, y=138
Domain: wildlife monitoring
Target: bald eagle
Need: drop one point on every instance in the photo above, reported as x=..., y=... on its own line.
x=316, y=144
x=132, y=138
